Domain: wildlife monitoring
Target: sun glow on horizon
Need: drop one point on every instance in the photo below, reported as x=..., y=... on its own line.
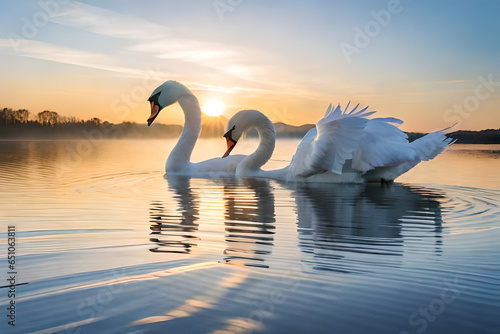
x=213, y=108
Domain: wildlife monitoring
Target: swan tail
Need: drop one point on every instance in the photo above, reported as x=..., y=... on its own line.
x=423, y=149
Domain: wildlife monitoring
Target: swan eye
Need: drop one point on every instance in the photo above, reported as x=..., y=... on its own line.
x=228, y=134
x=154, y=98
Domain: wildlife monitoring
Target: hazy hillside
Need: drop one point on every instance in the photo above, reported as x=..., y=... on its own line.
x=285, y=130
x=213, y=126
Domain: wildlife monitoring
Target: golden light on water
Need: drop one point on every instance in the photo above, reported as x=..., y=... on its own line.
x=213, y=108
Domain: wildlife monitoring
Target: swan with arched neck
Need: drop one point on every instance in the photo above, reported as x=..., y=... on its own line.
x=345, y=146
x=179, y=160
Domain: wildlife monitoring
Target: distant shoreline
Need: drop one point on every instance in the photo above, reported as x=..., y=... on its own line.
x=92, y=131
x=49, y=125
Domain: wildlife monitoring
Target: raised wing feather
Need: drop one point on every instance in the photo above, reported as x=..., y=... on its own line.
x=336, y=138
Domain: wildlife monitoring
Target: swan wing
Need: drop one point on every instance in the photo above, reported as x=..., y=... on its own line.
x=382, y=145
x=374, y=148
x=333, y=142
x=299, y=163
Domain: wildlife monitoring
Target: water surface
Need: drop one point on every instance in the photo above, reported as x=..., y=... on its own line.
x=107, y=244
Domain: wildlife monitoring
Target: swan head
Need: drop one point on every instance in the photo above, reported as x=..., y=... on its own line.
x=166, y=94
x=238, y=124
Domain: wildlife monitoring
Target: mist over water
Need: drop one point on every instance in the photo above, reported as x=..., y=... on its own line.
x=107, y=244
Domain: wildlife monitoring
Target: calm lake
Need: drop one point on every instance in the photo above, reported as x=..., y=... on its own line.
x=107, y=244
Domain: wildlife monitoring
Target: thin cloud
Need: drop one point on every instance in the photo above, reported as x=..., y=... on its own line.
x=158, y=41
x=64, y=55
x=106, y=22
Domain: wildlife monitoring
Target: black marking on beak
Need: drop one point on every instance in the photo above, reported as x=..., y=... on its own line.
x=155, y=107
x=231, y=143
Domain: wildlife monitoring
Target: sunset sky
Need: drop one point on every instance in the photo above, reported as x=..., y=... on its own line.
x=430, y=63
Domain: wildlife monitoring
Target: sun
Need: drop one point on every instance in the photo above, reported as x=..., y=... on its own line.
x=213, y=108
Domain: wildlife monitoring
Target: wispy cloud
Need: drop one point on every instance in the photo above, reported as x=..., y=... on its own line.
x=64, y=55
x=154, y=41
x=106, y=22
x=248, y=70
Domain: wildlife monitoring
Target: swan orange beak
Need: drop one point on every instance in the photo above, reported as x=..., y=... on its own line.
x=230, y=145
x=155, y=110
x=230, y=142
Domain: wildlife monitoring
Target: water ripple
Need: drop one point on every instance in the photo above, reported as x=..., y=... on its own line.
x=121, y=248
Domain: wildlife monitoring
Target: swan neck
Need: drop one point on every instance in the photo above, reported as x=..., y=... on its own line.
x=264, y=151
x=180, y=156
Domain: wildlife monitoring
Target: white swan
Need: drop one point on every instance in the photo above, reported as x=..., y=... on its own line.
x=178, y=161
x=343, y=147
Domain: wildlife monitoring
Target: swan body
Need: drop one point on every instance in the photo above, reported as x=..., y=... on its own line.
x=345, y=146
x=178, y=161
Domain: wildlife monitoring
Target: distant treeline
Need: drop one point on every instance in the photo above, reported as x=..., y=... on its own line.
x=45, y=118
x=21, y=124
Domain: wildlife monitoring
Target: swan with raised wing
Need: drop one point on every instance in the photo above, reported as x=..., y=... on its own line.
x=178, y=161
x=345, y=146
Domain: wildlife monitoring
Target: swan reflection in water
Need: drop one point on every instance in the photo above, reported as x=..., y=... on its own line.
x=174, y=233
x=342, y=227
x=248, y=219
x=350, y=227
